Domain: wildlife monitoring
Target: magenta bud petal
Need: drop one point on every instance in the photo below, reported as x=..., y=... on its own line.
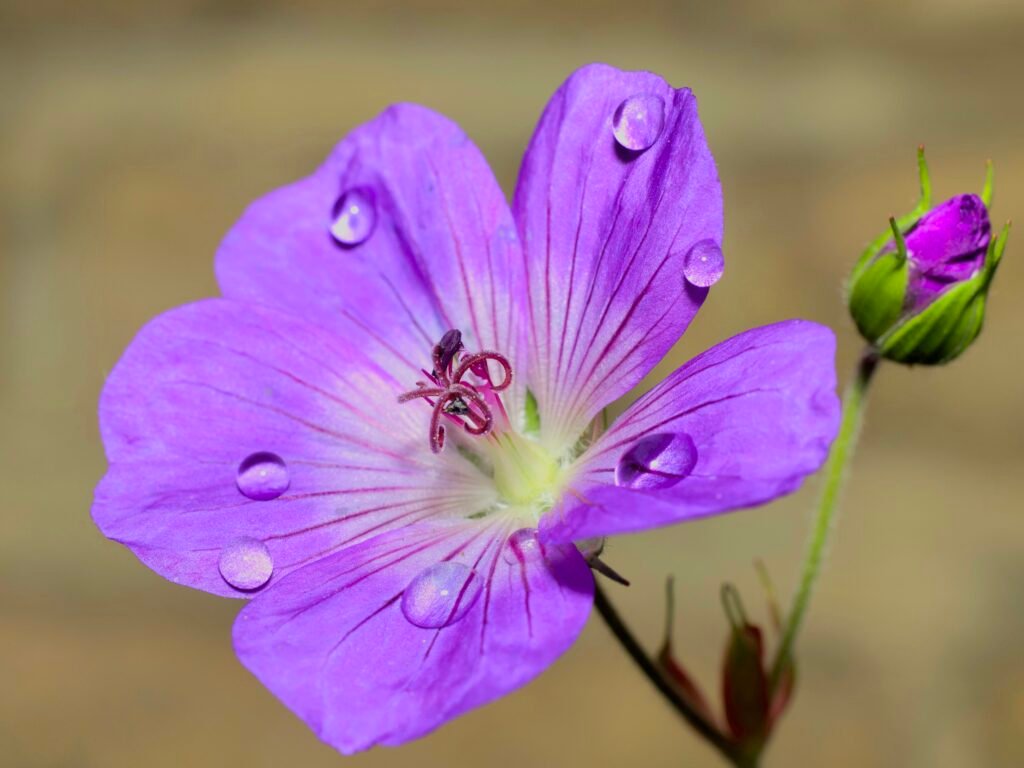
x=946, y=246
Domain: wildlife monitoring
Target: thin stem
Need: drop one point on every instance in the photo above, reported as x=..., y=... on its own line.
x=630, y=644
x=835, y=471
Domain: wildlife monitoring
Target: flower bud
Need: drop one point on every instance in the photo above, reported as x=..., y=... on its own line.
x=752, y=700
x=674, y=671
x=918, y=294
x=745, y=690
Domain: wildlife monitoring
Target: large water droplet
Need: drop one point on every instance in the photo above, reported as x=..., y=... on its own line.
x=263, y=476
x=441, y=595
x=354, y=217
x=657, y=461
x=246, y=564
x=638, y=121
x=522, y=547
x=704, y=264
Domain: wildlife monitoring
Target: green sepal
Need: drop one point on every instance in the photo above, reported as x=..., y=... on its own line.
x=876, y=298
x=532, y=411
x=941, y=331
x=903, y=223
x=986, y=190
x=878, y=294
x=995, y=254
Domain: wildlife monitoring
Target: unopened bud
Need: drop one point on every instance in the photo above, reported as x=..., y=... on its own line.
x=744, y=682
x=918, y=294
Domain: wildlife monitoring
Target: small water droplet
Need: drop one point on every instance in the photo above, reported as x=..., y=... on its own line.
x=354, y=217
x=638, y=121
x=263, y=476
x=506, y=233
x=522, y=547
x=704, y=264
x=246, y=564
x=657, y=461
x=440, y=595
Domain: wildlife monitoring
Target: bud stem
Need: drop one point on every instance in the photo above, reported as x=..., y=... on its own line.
x=835, y=471
x=636, y=652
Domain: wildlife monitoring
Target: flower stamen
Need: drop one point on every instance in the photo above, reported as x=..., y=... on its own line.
x=457, y=401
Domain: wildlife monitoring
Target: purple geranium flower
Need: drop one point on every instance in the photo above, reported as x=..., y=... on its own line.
x=383, y=433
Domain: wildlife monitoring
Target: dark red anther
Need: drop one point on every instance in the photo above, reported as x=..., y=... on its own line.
x=446, y=349
x=454, y=399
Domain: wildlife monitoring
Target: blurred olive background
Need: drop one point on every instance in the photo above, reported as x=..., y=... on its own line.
x=133, y=134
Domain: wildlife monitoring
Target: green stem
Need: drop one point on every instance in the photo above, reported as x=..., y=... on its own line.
x=658, y=679
x=835, y=471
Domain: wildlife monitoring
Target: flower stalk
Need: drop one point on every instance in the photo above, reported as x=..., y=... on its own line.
x=835, y=473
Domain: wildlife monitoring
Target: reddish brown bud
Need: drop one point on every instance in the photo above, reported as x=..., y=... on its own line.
x=673, y=670
x=744, y=680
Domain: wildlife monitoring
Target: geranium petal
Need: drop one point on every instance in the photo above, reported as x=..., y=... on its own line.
x=206, y=386
x=948, y=244
x=605, y=236
x=761, y=411
x=332, y=640
x=442, y=252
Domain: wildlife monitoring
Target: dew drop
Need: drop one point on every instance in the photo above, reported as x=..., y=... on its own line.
x=657, y=461
x=263, y=476
x=638, y=121
x=522, y=547
x=354, y=218
x=440, y=595
x=506, y=233
x=246, y=564
x=704, y=264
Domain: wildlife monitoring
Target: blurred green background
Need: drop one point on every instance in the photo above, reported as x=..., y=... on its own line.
x=133, y=134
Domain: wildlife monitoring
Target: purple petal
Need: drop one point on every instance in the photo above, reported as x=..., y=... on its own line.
x=230, y=427
x=947, y=245
x=342, y=642
x=431, y=245
x=759, y=411
x=606, y=232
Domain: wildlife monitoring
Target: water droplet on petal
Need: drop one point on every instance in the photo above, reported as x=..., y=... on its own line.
x=441, y=595
x=246, y=564
x=657, y=461
x=638, y=121
x=354, y=217
x=704, y=264
x=522, y=547
x=506, y=233
x=263, y=476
